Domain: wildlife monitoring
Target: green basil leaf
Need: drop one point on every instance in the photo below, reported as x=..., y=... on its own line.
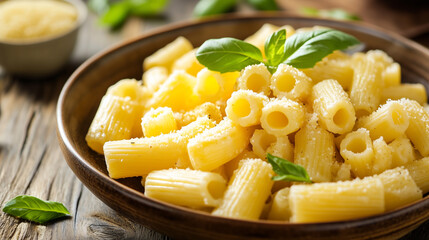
x=287, y=171
x=147, y=7
x=264, y=5
x=34, y=209
x=274, y=47
x=338, y=14
x=213, y=7
x=116, y=15
x=304, y=50
x=228, y=54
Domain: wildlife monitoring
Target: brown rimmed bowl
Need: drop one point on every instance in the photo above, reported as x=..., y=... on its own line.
x=83, y=91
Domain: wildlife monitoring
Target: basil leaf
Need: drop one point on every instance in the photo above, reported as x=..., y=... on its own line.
x=304, y=50
x=228, y=54
x=264, y=5
x=287, y=171
x=147, y=7
x=274, y=47
x=34, y=209
x=213, y=7
x=116, y=15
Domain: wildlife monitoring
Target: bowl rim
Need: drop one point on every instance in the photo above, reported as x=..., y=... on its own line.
x=186, y=212
x=82, y=13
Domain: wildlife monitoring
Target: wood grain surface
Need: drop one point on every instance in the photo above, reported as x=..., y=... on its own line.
x=32, y=163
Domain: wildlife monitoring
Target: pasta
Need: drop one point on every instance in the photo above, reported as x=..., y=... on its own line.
x=201, y=138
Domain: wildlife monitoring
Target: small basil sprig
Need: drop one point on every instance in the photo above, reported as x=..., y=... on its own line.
x=213, y=7
x=287, y=171
x=301, y=50
x=264, y=5
x=34, y=209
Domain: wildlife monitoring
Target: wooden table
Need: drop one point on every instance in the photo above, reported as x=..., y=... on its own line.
x=30, y=159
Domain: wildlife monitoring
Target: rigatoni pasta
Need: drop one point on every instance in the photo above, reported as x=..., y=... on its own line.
x=189, y=130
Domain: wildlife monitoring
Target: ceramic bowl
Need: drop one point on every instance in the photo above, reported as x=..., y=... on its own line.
x=82, y=93
x=41, y=57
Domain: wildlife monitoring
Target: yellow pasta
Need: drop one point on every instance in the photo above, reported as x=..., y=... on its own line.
x=382, y=156
x=247, y=190
x=207, y=109
x=365, y=90
x=167, y=55
x=326, y=202
x=282, y=116
x=255, y=78
x=158, y=121
x=290, y=82
x=185, y=187
x=314, y=150
x=245, y=107
x=419, y=172
x=263, y=143
x=232, y=165
x=332, y=104
x=137, y=157
x=402, y=151
x=154, y=78
x=413, y=91
x=357, y=150
x=399, y=188
x=389, y=121
x=118, y=113
x=418, y=129
x=177, y=92
x=188, y=63
x=392, y=75
x=280, y=207
x=218, y=145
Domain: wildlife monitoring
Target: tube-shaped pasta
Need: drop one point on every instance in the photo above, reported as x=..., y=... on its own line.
x=399, y=188
x=332, y=104
x=255, y=78
x=326, y=202
x=232, y=165
x=418, y=129
x=218, y=145
x=343, y=172
x=118, y=113
x=315, y=150
x=280, y=207
x=413, y=91
x=166, y=56
x=247, y=191
x=334, y=66
x=245, y=107
x=208, y=85
x=392, y=75
x=357, y=150
x=382, y=156
x=177, y=92
x=389, y=121
x=153, y=78
x=158, y=121
x=282, y=116
x=137, y=157
x=263, y=143
x=419, y=172
x=402, y=151
x=290, y=82
x=365, y=91
x=188, y=63
x=185, y=187
x=206, y=109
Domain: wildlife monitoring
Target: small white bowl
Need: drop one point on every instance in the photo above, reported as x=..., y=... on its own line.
x=42, y=57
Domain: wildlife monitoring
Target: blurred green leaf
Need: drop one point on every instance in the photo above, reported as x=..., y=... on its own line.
x=147, y=7
x=116, y=15
x=264, y=5
x=213, y=7
x=336, y=13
